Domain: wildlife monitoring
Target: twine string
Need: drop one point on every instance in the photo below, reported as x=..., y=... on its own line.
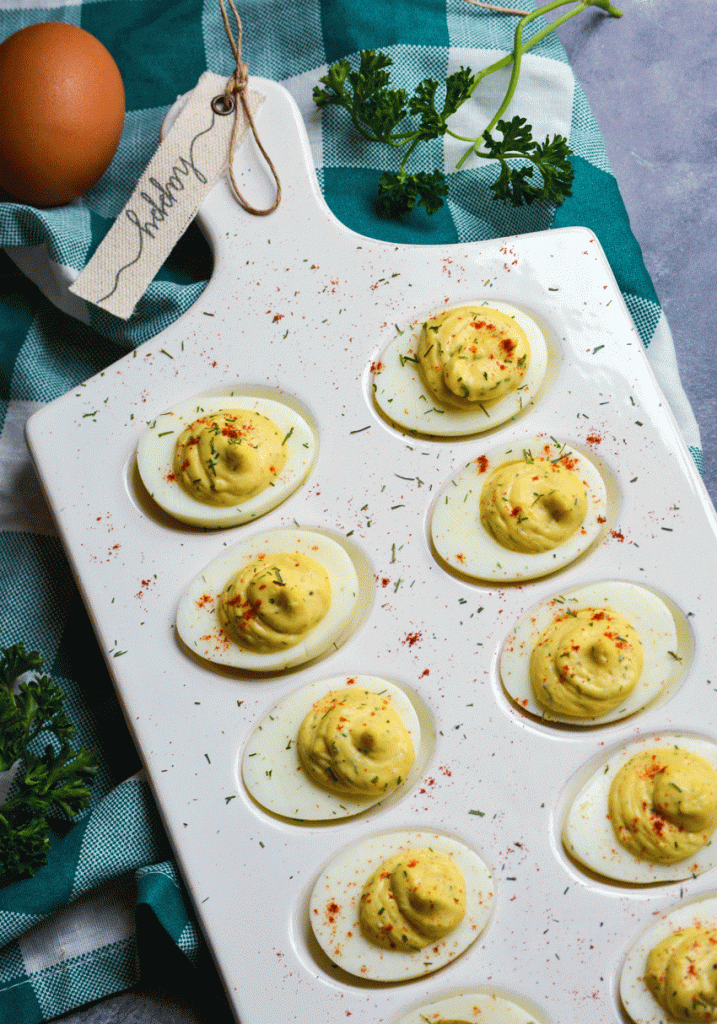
x=499, y=10
x=236, y=91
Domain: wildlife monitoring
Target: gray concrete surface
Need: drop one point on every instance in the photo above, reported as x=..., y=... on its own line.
x=651, y=79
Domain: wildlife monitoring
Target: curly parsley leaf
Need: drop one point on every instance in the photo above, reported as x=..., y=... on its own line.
x=399, y=194
x=52, y=778
x=550, y=158
x=434, y=122
x=375, y=108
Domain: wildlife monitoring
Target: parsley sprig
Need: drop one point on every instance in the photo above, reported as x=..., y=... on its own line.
x=52, y=778
x=379, y=113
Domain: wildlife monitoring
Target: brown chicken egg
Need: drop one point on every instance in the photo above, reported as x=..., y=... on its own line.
x=62, y=109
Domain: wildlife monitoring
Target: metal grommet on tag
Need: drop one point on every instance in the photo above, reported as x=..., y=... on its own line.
x=223, y=105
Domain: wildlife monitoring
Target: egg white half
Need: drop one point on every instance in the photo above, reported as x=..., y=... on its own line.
x=648, y=613
x=401, y=395
x=198, y=624
x=479, y=1007
x=588, y=834
x=155, y=458
x=635, y=996
x=271, y=768
x=464, y=544
x=334, y=907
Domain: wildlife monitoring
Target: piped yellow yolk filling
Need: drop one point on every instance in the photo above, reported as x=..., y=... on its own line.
x=274, y=602
x=586, y=663
x=414, y=899
x=681, y=973
x=472, y=355
x=228, y=457
x=532, y=505
x=663, y=804
x=354, y=743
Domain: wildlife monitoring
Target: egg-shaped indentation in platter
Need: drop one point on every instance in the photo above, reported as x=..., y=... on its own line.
x=226, y=456
x=670, y=971
x=478, y=1006
x=337, y=747
x=275, y=600
x=440, y=377
x=594, y=654
x=400, y=905
x=521, y=510
x=645, y=812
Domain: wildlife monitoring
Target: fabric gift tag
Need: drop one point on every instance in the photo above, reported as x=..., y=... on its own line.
x=185, y=167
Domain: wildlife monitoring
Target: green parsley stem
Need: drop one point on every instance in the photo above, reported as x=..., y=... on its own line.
x=515, y=58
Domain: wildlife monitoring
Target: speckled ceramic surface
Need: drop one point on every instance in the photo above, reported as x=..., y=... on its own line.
x=302, y=306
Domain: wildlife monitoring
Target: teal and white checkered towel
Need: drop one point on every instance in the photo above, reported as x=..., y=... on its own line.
x=67, y=935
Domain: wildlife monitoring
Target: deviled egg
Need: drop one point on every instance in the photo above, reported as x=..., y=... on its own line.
x=275, y=600
x=333, y=748
x=670, y=973
x=224, y=458
x=400, y=905
x=484, y=1007
x=648, y=811
x=520, y=511
x=592, y=654
x=463, y=371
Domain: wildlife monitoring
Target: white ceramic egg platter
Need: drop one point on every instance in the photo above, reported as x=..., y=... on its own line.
x=300, y=306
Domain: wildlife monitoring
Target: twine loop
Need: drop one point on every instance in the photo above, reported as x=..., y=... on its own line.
x=228, y=102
